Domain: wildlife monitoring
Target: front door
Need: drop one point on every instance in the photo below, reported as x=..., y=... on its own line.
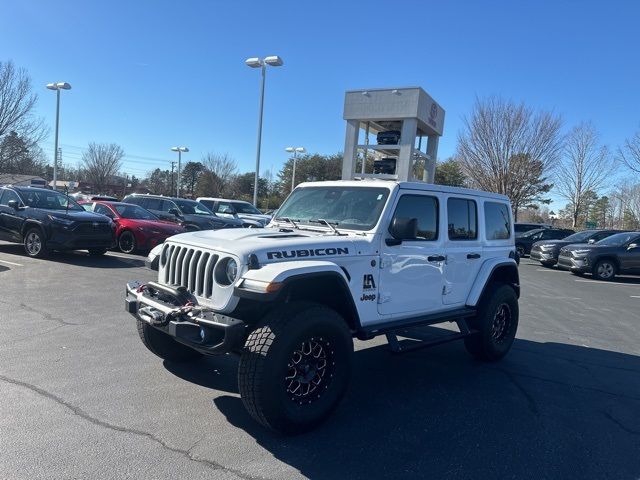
x=630, y=258
x=411, y=279
x=10, y=220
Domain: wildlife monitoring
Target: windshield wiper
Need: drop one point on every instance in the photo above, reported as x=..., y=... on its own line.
x=288, y=220
x=322, y=221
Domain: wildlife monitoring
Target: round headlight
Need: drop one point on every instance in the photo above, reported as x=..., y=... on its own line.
x=231, y=270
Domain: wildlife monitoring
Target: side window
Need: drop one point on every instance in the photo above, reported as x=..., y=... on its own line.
x=101, y=209
x=167, y=205
x=87, y=206
x=152, y=203
x=599, y=236
x=8, y=195
x=425, y=209
x=462, y=219
x=497, y=223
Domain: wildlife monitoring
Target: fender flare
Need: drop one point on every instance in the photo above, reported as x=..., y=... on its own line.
x=486, y=271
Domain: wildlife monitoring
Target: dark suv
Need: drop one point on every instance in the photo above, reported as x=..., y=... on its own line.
x=44, y=220
x=546, y=251
x=619, y=253
x=526, y=240
x=190, y=214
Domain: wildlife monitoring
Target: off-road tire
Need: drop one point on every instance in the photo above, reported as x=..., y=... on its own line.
x=127, y=242
x=270, y=380
x=35, y=244
x=605, y=270
x=97, y=252
x=496, y=323
x=165, y=347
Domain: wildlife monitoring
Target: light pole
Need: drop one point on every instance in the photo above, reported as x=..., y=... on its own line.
x=179, y=150
x=57, y=87
x=295, y=151
x=255, y=62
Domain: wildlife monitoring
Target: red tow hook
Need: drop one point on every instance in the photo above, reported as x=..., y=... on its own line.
x=141, y=288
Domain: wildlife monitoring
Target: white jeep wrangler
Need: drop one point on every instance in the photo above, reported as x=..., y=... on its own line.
x=340, y=260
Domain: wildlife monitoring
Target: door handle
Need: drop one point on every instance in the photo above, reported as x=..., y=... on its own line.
x=473, y=256
x=436, y=258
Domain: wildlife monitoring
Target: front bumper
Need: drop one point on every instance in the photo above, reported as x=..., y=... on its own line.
x=573, y=264
x=542, y=256
x=177, y=313
x=60, y=238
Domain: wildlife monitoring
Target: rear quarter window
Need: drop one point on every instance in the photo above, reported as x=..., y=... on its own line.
x=497, y=221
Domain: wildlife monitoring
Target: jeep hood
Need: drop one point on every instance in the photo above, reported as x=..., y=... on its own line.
x=273, y=245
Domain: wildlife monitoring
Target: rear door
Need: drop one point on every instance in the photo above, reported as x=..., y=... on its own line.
x=464, y=249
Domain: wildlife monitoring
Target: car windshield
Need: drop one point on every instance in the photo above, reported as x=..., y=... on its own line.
x=618, y=239
x=531, y=233
x=49, y=200
x=241, y=207
x=579, y=237
x=356, y=208
x=134, y=212
x=191, y=207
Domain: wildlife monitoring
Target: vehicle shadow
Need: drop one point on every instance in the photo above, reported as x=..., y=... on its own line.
x=78, y=258
x=548, y=410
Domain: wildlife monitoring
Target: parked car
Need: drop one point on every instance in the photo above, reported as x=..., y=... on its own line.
x=190, y=214
x=45, y=220
x=527, y=239
x=87, y=197
x=619, y=253
x=389, y=137
x=137, y=229
x=236, y=209
x=521, y=228
x=547, y=251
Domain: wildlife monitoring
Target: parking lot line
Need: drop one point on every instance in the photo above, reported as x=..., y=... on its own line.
x=634, y=296
x=11, y=263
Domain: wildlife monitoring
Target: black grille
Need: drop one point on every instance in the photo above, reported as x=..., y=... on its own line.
x=93, y=228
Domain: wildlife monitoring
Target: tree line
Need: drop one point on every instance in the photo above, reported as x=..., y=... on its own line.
x=503, y=147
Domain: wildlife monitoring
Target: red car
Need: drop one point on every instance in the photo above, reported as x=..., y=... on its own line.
x=136, y=227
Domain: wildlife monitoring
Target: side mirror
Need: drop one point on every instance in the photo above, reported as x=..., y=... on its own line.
x=402, y=229
x=592, y=241
x=632, y=246
x=174, y=211
x=13, y=204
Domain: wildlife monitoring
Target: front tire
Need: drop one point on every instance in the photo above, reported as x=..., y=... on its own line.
x=604, y=270
x=127, y=242
x=496, y=323
x=295, y=367
x=35, y=244
x=165, y=347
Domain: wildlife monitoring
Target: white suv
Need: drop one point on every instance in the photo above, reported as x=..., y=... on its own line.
x=342, y=259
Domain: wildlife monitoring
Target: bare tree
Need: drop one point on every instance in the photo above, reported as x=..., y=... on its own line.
x=585, y=168
x=508, y=148
x=17, y=102
x=102, y=161
x=222, y=166
x=629, y=153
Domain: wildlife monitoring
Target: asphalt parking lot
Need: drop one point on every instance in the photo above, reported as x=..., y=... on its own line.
x=80, y=397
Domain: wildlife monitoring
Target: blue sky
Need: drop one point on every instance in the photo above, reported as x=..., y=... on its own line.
x=152, y=74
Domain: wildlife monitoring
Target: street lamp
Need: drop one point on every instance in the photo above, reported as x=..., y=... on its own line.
x=295, y=151
x=179, y=150
x=57, y=87
x=261, y=63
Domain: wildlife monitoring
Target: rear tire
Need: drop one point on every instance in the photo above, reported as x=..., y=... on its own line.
x=604, y=270
x=295, y=367
x=35, y=244
x=496, y=323
x=165, y=347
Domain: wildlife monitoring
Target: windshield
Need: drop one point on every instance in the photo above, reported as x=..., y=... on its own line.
x=242, y=207
x=49, y=200
x=191, y=207
x=134, y=212
x=579, y=237
x=618, y=239
x=356, y=208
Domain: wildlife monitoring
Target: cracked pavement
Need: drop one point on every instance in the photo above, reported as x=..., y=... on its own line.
x=80, y=397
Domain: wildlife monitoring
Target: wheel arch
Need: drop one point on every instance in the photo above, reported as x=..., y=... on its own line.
x=28, y=225
x=497, y=271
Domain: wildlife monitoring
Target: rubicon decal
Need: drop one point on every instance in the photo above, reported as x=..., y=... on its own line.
x=316, y=252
